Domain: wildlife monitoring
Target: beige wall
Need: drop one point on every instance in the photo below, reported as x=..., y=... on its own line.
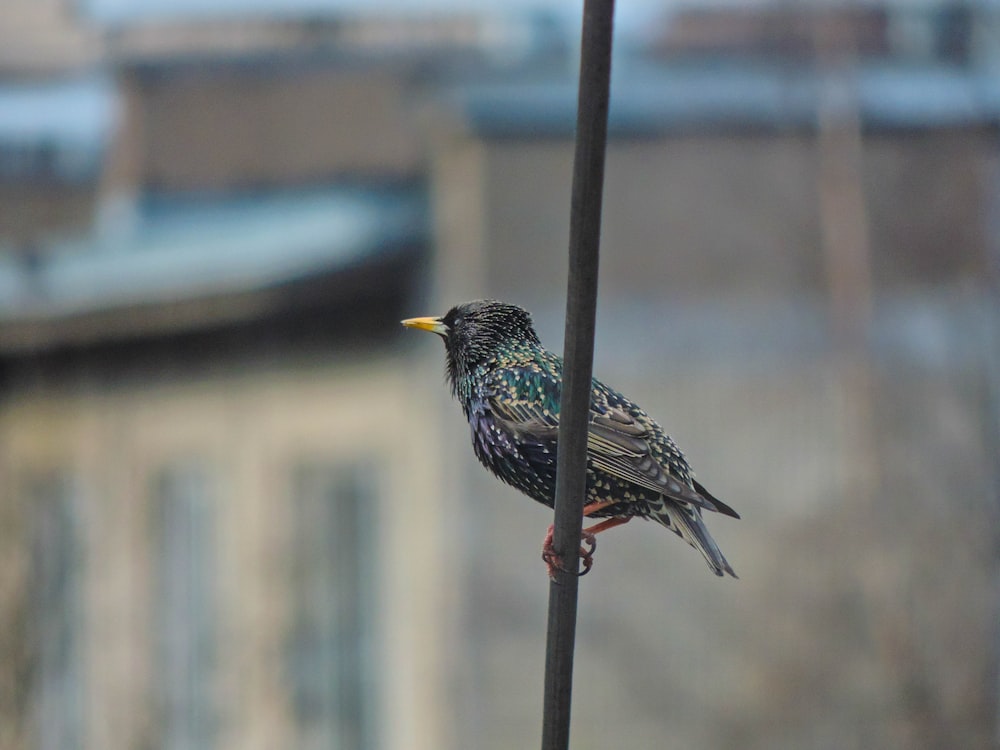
x=45, y=36
x=212, y=129
x=734, y=213
x=250, y=430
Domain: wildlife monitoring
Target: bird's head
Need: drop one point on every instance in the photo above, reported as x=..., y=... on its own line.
x=476, y=332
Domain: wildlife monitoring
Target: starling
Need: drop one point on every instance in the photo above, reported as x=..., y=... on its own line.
x=509, y=387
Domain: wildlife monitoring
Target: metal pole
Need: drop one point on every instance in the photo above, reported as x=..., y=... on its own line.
x=581, y=305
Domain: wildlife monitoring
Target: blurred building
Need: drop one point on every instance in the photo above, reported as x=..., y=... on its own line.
x=202, y=278
x=239, y=509
x=796, y=279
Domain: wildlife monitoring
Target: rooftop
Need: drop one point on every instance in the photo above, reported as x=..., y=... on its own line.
x=647, y=98
x=182, y=250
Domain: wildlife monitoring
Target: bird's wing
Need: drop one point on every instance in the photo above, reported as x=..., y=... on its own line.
x=621, y=445
x=616, y=443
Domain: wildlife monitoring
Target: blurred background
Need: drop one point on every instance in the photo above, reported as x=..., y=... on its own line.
x=238, y=508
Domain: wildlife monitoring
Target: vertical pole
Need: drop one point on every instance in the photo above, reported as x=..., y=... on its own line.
x=581, y=305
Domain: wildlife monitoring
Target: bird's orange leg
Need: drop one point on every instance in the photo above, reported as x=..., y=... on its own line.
x=592, y=508
x=609, y=523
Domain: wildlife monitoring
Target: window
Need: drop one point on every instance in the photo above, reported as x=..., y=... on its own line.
x=56, y=601
x=332, y=588
x=184, y=616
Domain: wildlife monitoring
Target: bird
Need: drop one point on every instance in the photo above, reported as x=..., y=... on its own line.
x=509, y=387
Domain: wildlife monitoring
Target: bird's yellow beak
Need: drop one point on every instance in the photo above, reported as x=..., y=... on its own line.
x=434, y=325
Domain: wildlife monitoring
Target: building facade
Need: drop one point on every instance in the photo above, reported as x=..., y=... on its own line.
x=239, y=508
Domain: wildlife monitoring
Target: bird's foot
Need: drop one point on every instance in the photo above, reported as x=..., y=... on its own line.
x=554, y=562
x=587, y=553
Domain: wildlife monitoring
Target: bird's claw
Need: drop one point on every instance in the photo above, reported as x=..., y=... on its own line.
x=554, y=562
x=587, y=553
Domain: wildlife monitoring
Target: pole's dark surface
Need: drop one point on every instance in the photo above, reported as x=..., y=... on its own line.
x=578, y=354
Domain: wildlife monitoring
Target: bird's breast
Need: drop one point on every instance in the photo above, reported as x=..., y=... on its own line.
x=526, y=465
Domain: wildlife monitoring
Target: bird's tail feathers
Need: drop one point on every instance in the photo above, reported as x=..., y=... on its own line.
x=685, y=520
x=720, y=506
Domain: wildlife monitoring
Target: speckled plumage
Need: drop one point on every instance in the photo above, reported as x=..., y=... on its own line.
x=509, y=387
